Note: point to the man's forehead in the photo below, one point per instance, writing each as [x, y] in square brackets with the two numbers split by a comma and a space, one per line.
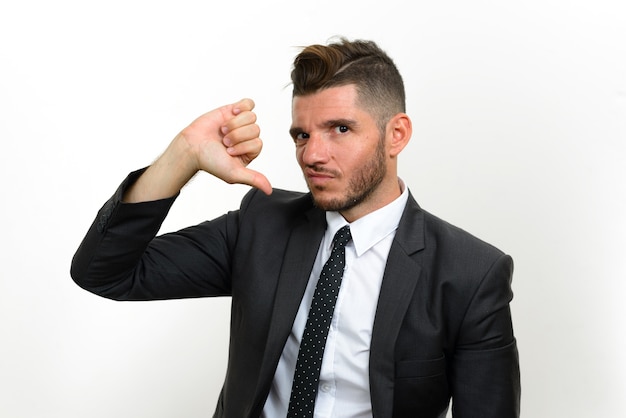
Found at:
[331, 103]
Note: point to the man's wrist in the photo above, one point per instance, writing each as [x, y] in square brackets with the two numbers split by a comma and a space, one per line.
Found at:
[166, 176]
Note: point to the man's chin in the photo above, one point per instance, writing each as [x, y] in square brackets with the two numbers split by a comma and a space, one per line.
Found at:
[321, 201]
[330, 204]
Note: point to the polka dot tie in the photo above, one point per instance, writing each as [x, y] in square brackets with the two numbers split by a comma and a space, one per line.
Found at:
[307, 374]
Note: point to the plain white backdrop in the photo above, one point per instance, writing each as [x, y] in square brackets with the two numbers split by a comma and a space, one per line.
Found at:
[519, 112]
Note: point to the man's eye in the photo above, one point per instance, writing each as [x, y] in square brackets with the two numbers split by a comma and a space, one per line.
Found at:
[341, 129]
[302, 135]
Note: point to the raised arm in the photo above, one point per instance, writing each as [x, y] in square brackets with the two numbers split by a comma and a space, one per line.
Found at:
[120, 257]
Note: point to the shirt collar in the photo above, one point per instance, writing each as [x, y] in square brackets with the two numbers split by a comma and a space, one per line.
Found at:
[373, 227]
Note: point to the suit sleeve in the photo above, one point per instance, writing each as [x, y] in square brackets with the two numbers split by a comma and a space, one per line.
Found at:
[485, 373]
[121, 258]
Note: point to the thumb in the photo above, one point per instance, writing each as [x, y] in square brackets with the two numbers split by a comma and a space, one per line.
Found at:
[255, 179]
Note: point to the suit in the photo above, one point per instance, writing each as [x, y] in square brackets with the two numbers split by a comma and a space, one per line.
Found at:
[442, 326]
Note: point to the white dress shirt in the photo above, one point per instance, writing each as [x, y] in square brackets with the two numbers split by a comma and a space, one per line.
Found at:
[344, 378]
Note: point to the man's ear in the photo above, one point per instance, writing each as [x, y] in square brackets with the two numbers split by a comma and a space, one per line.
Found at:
[399, 130]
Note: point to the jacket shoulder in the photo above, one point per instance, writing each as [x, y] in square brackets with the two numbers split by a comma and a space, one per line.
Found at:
[281, 202]
[456, 239]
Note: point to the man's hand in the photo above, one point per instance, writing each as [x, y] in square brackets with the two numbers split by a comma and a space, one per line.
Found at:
[225, 141]
[221, 142]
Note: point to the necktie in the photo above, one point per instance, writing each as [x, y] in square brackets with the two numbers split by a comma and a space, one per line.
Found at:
[308, 365]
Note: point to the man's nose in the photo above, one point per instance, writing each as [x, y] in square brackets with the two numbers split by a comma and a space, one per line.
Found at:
[315, 150]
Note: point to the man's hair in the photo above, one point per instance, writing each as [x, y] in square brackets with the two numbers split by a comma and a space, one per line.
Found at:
[362, 63]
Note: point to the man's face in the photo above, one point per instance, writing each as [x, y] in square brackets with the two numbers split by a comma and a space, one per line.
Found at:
[341, 152]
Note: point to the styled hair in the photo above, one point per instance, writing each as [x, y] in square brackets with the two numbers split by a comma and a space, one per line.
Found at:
[362, 63]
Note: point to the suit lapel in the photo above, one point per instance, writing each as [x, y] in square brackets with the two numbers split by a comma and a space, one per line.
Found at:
[400, 278]
[298, 261]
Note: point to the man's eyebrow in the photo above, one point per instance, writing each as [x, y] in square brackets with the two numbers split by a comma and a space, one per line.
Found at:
[340, 122]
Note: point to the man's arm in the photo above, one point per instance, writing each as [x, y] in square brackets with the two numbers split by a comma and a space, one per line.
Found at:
[485, 371]
[120, 257]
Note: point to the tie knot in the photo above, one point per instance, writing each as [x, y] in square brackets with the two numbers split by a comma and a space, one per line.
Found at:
[342, 237]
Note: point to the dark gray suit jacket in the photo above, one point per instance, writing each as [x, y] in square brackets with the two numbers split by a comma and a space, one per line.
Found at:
[442, 327]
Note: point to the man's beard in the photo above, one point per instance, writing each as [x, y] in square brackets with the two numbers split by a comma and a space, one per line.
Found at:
[362, 184]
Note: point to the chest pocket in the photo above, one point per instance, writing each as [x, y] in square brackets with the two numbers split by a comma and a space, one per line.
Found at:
[421, 389]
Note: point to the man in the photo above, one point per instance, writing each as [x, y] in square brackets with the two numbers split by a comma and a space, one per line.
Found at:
[422, 312]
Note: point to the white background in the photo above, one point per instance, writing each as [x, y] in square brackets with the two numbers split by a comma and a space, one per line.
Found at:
[519, 112]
